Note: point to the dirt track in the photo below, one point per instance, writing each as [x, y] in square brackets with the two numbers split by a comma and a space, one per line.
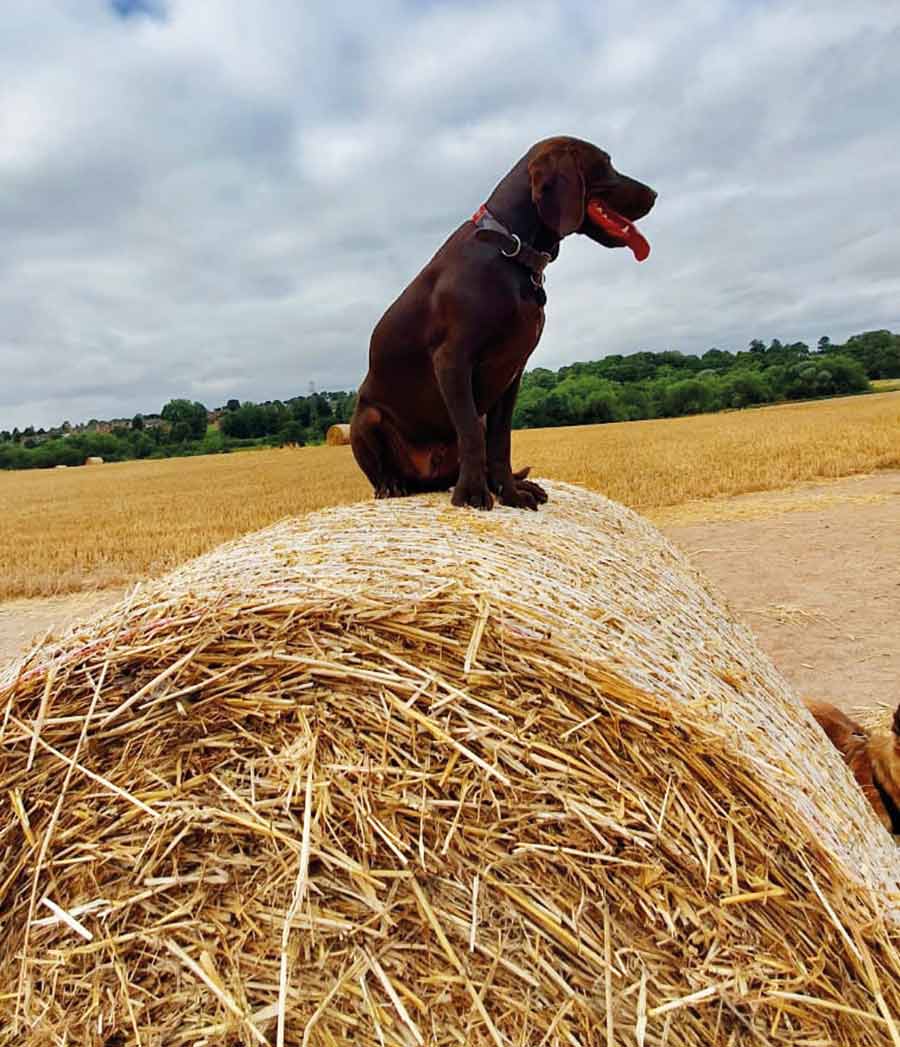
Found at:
[814, 571]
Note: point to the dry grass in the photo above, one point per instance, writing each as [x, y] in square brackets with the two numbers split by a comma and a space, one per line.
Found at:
[647, 465]
[398, 775]
[71, 529]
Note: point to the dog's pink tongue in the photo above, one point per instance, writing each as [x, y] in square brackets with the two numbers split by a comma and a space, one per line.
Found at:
[612, 222]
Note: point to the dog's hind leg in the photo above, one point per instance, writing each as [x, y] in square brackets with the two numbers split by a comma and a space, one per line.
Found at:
[379, 452]
[370, 450]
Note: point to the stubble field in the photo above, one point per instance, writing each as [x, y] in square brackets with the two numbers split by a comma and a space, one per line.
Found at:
[87, 528]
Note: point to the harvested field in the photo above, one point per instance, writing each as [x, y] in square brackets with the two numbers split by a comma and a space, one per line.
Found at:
[401, 774]
[63, 531]
[89, 529]
[648, 465]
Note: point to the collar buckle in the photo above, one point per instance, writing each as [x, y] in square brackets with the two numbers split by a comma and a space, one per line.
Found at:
[494, 231]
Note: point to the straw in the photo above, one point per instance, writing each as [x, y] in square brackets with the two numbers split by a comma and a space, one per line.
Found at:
[397, 773]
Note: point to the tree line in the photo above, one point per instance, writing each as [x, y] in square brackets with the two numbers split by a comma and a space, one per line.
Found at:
[613, 389]
[667, 384]
[182, 428]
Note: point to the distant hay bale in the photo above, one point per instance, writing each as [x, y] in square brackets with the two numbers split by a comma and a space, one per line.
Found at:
[338, 435]
[94, 459]
[60, 467]
[406, 774]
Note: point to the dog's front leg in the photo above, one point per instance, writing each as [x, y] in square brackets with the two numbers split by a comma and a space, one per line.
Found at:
[512, 488]
[454, 377]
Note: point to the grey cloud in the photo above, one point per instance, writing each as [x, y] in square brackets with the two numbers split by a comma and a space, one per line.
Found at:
[222, 202]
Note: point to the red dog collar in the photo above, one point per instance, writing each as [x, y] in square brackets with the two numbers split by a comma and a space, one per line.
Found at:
[494, 231]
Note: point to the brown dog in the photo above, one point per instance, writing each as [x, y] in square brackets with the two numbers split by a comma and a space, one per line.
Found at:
[445, 360]
[872, 756]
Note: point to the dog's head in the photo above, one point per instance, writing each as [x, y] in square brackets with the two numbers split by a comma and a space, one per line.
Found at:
[576, 189]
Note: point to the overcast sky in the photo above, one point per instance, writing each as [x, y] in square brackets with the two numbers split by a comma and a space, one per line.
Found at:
[218, 198]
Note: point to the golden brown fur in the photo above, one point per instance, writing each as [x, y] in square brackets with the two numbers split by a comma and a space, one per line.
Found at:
[873, 757]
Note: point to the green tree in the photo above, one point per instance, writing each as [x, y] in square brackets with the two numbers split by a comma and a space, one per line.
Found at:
[689, 396]
[300, 410]
[877, 351]
[292, 432]
[828, 375]
[743, 388]
[13, 456]
[716, 359]
[187, 420]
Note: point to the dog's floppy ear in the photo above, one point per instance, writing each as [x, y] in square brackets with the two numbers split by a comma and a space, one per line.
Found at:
[557, 189]
[895, 726]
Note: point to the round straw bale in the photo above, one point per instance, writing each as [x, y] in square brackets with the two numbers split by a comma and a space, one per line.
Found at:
[338, 435]
[398, 773]
[93, 459]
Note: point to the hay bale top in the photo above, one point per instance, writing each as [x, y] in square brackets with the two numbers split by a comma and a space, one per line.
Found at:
[338, 435]
[94, 459]
[405, 774]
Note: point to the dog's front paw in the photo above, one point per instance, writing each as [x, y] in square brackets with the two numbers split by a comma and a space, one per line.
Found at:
[474, 493]
[523, 494]
[517, 492]
[391, 489]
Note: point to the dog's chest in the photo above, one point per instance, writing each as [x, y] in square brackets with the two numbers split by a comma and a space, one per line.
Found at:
[501, 362]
